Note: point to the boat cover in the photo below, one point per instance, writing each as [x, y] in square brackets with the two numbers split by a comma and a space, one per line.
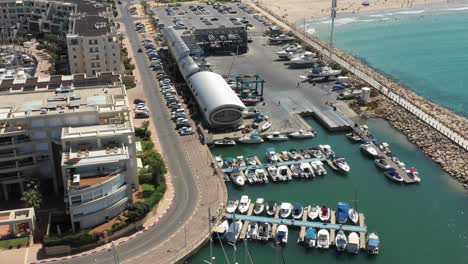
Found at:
[281, 234]
[343, 209]
[229, 159]
[310, 233]
[373, 242]
[254, 134]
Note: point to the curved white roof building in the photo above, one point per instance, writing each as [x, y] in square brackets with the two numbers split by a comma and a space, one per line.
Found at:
[217, 101]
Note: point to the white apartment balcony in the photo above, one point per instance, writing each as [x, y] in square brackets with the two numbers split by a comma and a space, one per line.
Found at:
[17, 166]
[96, 131]
[86, 157]
[89, 184]
[96, 205]
[13, 154]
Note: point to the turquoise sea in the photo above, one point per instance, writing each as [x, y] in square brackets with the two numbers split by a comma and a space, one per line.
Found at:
[422, 49]
[425, 223]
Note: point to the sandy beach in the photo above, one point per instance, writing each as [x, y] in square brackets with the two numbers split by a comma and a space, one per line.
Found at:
[296, 10]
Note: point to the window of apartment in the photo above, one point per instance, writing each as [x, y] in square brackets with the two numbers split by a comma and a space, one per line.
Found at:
[74, 56]
[76, 64]
[87, 197]
[93, 72]
[98, 64]
[97, 194]
[97, 57]
[76, 199]
[113, 54]
[74, 42]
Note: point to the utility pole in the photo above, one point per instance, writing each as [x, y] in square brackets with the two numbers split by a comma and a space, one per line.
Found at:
[114, 252]
[333, 15]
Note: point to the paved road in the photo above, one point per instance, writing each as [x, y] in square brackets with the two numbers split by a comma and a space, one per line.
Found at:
[186, 192]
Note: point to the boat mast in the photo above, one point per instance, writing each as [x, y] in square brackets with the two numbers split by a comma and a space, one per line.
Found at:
[333, 15]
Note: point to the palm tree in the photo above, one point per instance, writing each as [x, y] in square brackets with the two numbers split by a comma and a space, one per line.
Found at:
[32, 198]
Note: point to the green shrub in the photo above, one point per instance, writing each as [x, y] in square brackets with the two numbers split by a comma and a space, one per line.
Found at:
[73, 240]
[143, 134]
[145, 177]
[137, 211]
[116, 227]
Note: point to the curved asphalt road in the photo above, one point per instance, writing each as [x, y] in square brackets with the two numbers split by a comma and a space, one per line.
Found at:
[185, 187]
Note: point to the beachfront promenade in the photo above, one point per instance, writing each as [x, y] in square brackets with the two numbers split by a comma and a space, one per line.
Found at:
[359, 70]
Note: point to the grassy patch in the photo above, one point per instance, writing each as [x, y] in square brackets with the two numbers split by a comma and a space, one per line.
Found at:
[130, 85]
[14, 242]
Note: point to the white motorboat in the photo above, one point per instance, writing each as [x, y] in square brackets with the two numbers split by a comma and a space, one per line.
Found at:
[296, 170]
[325, 214]
[327, 151]
[310, 237]
[289, 49]
[382, 163]
[313, 212]
[250, 175]
[353, 215]
[234, 231]
[353, 137]
[393, 175]
[240, 161]
[304, 60]
[276, 136]
[224, 143]
[232, 205]
[259, 206]
[273, 172]
[318, 167]
[297, 211]
[341, 164]
[341, 241]
[302, 134]
[251, 160]
[270, 208]
[271, 155]
[284, 173]
[385, 148]
[307, 170]
[369, 149]
[284, 155]
[323, 239]
[266, 126]
[244, 204]
[414, 174]
[237, 177]
[353, 243]
[293, 155]
[264, 232]
[261, 175]
[280, 39]
[323, 72]
[219, 161]
[282, 234]
[399, 163]
[285, 210]
[253, 138]
[372, 244]
[221, 230]
[252, 230]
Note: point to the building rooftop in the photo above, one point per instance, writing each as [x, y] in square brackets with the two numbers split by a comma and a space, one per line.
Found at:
[62, 100]
[91, 26]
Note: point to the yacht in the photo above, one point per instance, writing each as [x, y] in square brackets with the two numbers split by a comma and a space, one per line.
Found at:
[234, 231]
[353, 243]
[219, 161]
[261, 175]
[232, 205]
[307, 170]
[264, 232]
[323, 72]
[296, 170]
[271, 155]
[318, 167]
[313, 212]
[372, 244]
[369, 149]
[251, 160]
[276, 136]
[323, 239]
[240, 161]
[224, 143]
[414, 174]
[259, 206]
[284, 173]
[325, 214]
[282, 234]
[244, 204]
[341, 164]
[327, 151]
[253, 138]
[221, 230]
[284, 155]
[302, 134]
[393, 175]
[382, 163]
[310, 237]
[297, 211]
[302, 61]
[270, 208]
[353, 215]
[250, 175]
[353, 137]
[237, 177]
[285, 210]
[252, 230]
[293, 155]
[273, 172]
[341, 241]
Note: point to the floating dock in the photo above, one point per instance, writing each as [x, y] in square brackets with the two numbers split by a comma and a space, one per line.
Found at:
[332, 120]
[263, 166]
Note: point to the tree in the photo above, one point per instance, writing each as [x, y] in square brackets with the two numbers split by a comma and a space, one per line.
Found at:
[32, 198]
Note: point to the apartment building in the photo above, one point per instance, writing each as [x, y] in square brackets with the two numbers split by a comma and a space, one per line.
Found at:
[35, 16]
[93, 45]
[76, 135]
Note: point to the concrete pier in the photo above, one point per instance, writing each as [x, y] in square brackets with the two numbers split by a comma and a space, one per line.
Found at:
[302, 233]
[362, 235]
[283, 163]
[332, 231]
[245, 226]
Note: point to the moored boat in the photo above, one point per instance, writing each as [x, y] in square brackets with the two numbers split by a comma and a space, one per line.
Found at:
[310, 238]
[369, 150]
[341, 241]
[253, 138]
[385, 148]
[264, 232]
[237, 177]
[232, 205]
[284, 155]
[244, 204]
[325, 214]
[323, 239]
[342, 165]
[270, 208]
[271, 155]
[219, 161]
[307, 170]
[251, 160]
[261, 175]
[285, 210]
[234, 231]
[273, 172]
[393, 175]
[224, 143]
[221, 230]
[318, 167]
[282, 234]
[342, 213]
[297, 211]
[265, 126]
[296, 170]
[353, 243]
[353, 137]
[277, 136]
[327, 151]
[414, 174]
[284, 173]
[302, 134]
[372, 244]
[382, 163]
[259, 206]
[313, 212]
[252, 230]
[353, 215]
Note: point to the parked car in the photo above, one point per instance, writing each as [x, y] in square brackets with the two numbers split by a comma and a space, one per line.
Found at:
[186, 131]
[138, 101]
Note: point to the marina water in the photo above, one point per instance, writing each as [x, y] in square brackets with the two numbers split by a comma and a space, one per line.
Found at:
[425, 223]
[423, 49]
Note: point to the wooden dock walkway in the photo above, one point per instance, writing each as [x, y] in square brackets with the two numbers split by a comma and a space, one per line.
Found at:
[302, 233]
[275, 225]
[332, 231]
[245, 226]
[362, 235]
[330, 163]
